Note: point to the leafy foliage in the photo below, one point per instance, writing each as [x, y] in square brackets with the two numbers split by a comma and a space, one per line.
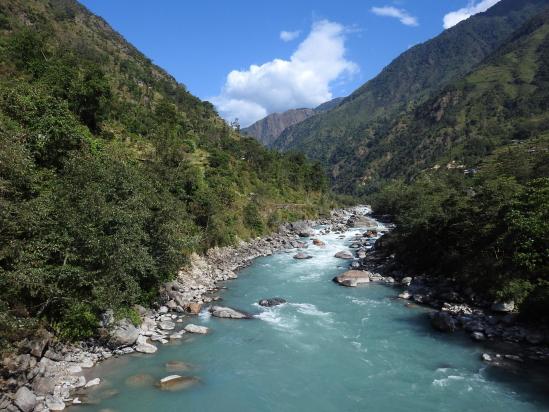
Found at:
[112, 174]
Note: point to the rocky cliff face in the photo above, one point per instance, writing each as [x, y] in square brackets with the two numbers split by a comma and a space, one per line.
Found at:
[269, 128]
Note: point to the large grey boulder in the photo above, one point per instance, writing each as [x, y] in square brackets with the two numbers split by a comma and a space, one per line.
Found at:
[54, 403]
[227, 313]
[143, 346]
[25, 399]
[353, 278]
[344, 254]
[443, 321]
[122, 334]
[302, 228]
[271, 302]
[191, 328]
[301, 255]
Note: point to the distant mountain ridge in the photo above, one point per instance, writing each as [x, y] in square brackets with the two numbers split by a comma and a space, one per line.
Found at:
[270, 127]
[344, 137]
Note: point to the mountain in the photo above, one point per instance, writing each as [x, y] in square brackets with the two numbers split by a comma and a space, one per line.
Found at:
[112, 174]
[270, 127]
[344, 135]
[466, 179]
[505, 99]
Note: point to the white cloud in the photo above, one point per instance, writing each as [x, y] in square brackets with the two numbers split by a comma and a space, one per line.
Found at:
[454, 17]
[278, 85]
[289, 35]
[401, 14]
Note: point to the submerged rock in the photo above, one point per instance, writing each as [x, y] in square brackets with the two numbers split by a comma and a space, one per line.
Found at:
[176, 382]
[344, 254]
[177, 366]
[227, 313]
[271, 302]
[302, 255]
[140, 380]
[353, 278]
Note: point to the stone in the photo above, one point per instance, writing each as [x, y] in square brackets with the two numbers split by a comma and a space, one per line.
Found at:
[503, 306]
[478, 336]
[54, 403]
[25, 399]
[123, 334]
[271, 302]
[227, 313]
[191, 328]
[93, 382]
[107, 318]
[163, 309]
[389, 279]
[193, 308]
[344, 254]
[534, 338]
[353, 278]
[406, 281]
[140, 380]
[167, 325]
[318, 242]
[43, 386]
[443, 321]
[40, 344]
[177, 366]
[143, 346]
[176, 382]
[302, 255]
[405, 295]
[486, 358]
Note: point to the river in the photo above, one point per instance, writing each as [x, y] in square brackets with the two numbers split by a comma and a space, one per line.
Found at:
[330, 348]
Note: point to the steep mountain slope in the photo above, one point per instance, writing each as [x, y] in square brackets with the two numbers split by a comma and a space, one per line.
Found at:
[506, 98]
[346, 132]
[112, 174]
[270, 127]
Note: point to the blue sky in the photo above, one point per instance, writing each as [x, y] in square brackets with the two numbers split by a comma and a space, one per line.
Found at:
[330, 48]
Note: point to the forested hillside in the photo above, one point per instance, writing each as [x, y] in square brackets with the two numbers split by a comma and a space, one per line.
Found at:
[479, 217]
[346, 139]
[111, 173]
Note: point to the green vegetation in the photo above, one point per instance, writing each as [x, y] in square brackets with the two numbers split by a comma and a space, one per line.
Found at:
[489, 230]
[112, 174]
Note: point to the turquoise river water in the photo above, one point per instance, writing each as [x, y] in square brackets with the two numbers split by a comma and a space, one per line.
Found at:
[330, 348]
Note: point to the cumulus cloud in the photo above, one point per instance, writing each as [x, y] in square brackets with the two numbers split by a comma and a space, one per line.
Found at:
[454, 17]
[289, 35]
[400, 14]
[278, 85]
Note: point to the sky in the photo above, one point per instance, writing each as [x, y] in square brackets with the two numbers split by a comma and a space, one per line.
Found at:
[252, 58]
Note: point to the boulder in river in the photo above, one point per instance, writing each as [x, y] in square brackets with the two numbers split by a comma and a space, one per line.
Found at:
[271, 302]
[344, 254]
[302, 255]
[191, 328]
[227, 313]
[353, 278]
[443, 321]
[176, 382]
[318, 242]
[406, 281]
